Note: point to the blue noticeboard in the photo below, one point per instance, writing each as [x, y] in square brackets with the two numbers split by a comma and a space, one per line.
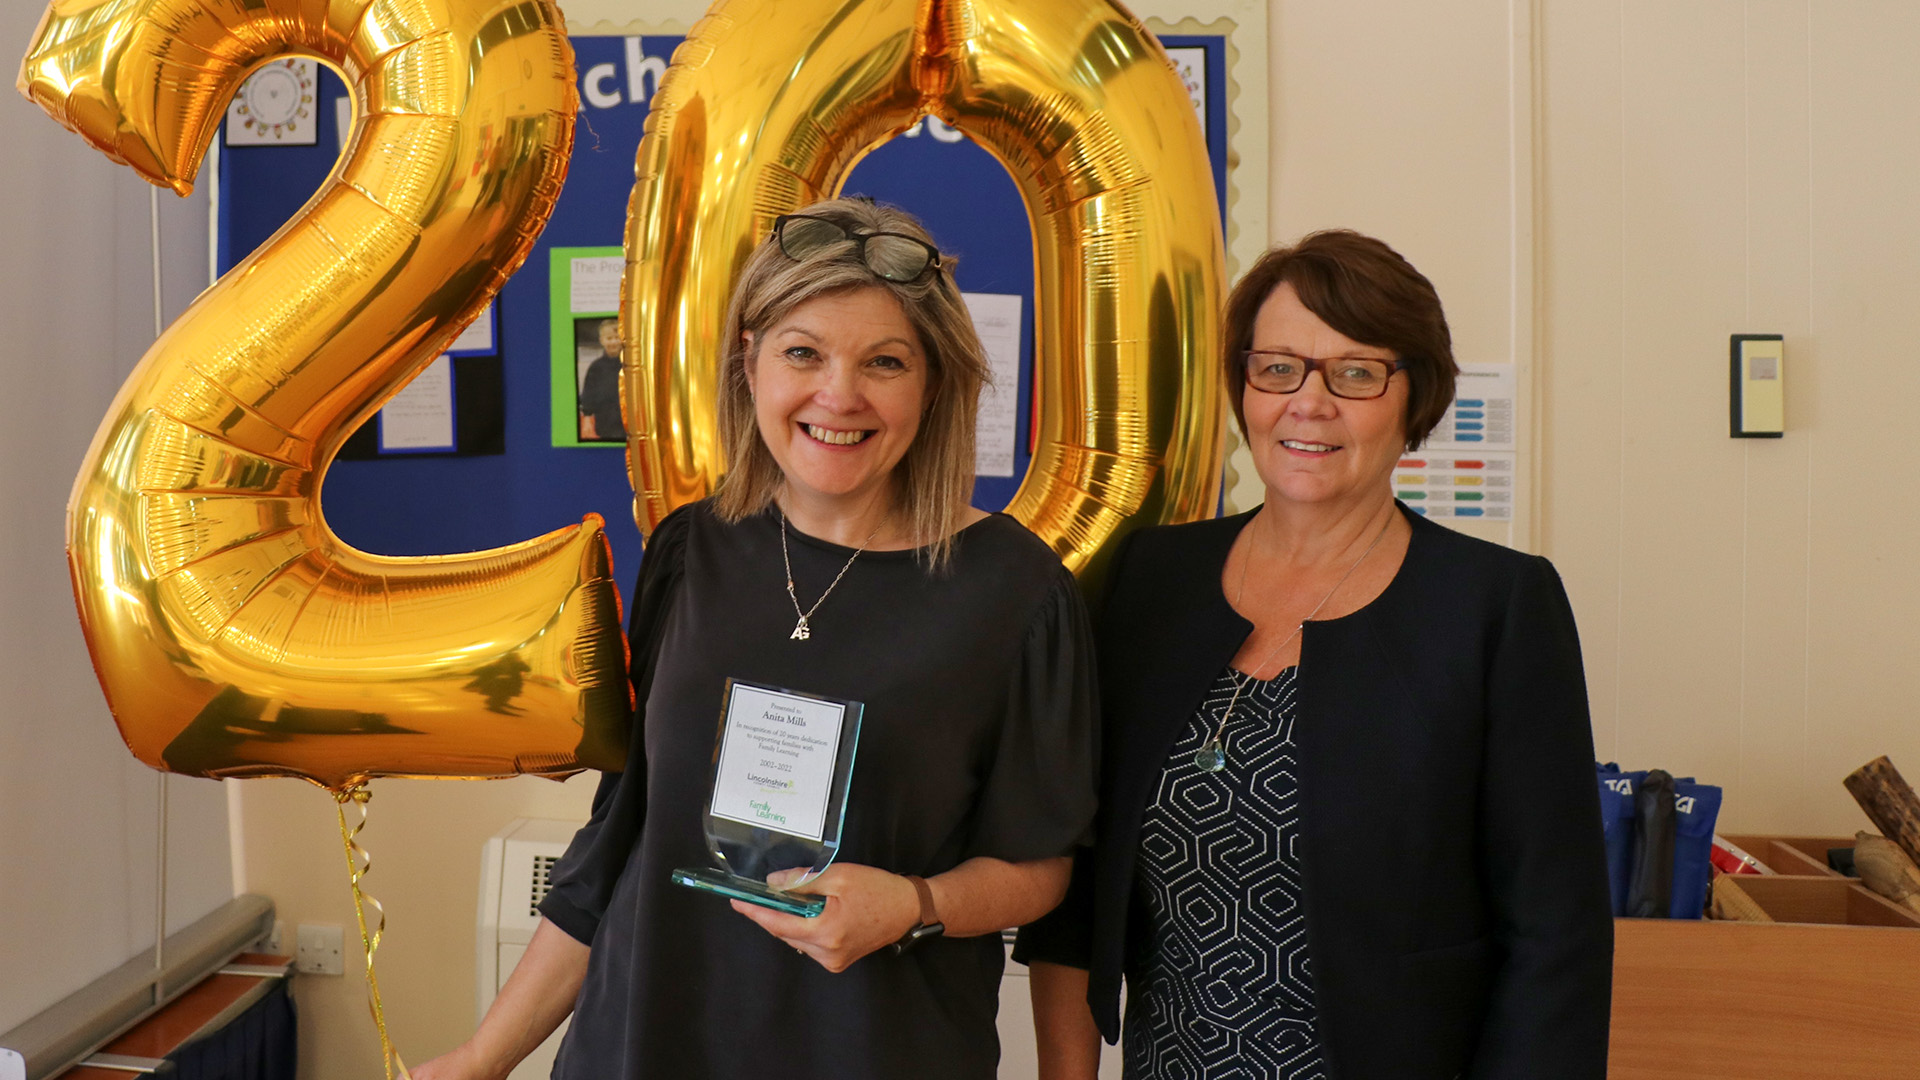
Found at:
[413, 504]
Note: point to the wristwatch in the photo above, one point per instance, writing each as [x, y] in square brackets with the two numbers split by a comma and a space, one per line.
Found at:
[930, 924]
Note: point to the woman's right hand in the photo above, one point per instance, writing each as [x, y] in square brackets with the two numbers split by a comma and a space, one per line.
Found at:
[460, 1063]
[538, 995]
[1063, 1026]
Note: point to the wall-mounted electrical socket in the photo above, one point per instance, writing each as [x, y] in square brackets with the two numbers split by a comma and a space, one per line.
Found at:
[317, 950]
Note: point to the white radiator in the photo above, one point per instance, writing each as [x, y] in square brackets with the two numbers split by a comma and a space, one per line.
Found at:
[515, 873]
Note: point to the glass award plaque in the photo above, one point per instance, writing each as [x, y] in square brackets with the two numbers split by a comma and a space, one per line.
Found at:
[782, 764]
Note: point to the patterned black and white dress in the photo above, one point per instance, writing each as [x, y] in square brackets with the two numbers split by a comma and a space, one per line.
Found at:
[1228, 994]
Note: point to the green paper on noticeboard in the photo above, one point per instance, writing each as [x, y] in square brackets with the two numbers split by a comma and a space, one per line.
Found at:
[583, 293]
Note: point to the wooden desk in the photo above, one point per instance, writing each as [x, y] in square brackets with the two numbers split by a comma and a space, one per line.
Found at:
[1764, 1001]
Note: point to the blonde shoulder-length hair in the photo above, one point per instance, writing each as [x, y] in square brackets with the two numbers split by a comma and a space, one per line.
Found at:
[934, 481]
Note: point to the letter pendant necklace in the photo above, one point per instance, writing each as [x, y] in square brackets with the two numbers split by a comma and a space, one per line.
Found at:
[1213, 756]
[801, 630]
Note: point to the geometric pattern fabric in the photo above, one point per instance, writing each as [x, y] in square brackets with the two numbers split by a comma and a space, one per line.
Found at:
[1229, 990]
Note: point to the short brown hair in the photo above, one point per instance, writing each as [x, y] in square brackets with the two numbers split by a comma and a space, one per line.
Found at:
[936, 475]
[1365, 290]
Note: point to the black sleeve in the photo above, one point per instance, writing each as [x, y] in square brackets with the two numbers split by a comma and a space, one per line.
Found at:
[583, 879]
[1543, 856]
[1065, 935]
[1038, 795]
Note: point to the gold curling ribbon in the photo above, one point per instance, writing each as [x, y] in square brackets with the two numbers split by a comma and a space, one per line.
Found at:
[359, 865]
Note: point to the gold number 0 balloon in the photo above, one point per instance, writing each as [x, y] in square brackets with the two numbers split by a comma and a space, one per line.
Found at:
[770, 103]
[233, 633]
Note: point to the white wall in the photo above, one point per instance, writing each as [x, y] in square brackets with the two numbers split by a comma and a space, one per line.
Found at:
[1716, 167]
[1603, 192]
[77, 813]
[1412, 122]
[425, 837]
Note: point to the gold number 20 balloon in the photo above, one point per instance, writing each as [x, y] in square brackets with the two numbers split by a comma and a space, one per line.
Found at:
[234, 634]
[768, 106]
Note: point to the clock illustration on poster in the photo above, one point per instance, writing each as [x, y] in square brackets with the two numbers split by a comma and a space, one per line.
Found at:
[275, 106]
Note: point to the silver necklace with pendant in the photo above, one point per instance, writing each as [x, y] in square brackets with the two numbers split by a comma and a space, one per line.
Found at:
[1212, 757]
[802, 630]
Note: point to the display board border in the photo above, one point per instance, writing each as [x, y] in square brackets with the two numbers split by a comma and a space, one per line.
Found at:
[565, 390]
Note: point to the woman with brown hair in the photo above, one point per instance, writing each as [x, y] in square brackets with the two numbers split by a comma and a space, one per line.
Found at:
[1348, 823]
[839, 557]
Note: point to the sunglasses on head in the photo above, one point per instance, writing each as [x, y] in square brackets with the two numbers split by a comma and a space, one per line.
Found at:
[892, 256]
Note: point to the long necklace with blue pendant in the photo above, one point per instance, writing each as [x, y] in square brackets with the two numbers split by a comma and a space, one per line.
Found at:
[1212, 755]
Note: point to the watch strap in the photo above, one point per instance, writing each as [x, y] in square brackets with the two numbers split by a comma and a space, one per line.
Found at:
[927, 915]
[930, 925]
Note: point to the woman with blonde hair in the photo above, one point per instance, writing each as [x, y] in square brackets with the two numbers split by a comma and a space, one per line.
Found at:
[839, 557]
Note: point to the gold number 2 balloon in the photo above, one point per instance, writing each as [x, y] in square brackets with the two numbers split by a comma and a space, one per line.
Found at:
[768, 106]
[234, 634]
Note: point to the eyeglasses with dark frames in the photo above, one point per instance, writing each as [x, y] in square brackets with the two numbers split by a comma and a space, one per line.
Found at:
[892, 256]
[1356, 378]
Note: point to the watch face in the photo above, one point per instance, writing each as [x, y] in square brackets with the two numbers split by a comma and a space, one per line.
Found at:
[918, 934]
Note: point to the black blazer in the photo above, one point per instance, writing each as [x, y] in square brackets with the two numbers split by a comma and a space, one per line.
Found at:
[1454, 876]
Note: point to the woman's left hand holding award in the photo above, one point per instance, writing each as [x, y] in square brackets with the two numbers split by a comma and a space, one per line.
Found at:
[865, 910]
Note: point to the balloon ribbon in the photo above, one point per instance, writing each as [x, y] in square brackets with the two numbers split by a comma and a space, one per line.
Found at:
[359, 864]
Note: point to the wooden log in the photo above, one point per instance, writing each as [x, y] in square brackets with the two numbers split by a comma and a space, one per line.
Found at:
[1885, 869]
[1889, 802]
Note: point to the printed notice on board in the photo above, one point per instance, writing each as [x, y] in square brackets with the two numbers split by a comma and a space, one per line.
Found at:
[1482, 414]
[477, 338]
[996, 318]
[1452, 484]
[420, 416]
[1190, 63]
[595, 285]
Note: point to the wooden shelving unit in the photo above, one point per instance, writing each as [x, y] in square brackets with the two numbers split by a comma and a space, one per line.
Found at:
[1829, 991]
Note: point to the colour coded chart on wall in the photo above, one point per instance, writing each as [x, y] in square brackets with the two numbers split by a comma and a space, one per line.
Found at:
[1446, 485]
[1481, 417]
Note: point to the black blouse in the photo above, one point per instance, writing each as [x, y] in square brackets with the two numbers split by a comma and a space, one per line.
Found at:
[977, 740]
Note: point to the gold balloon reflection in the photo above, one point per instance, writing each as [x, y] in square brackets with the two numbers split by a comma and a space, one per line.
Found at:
[234, 634]
[769, 105]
